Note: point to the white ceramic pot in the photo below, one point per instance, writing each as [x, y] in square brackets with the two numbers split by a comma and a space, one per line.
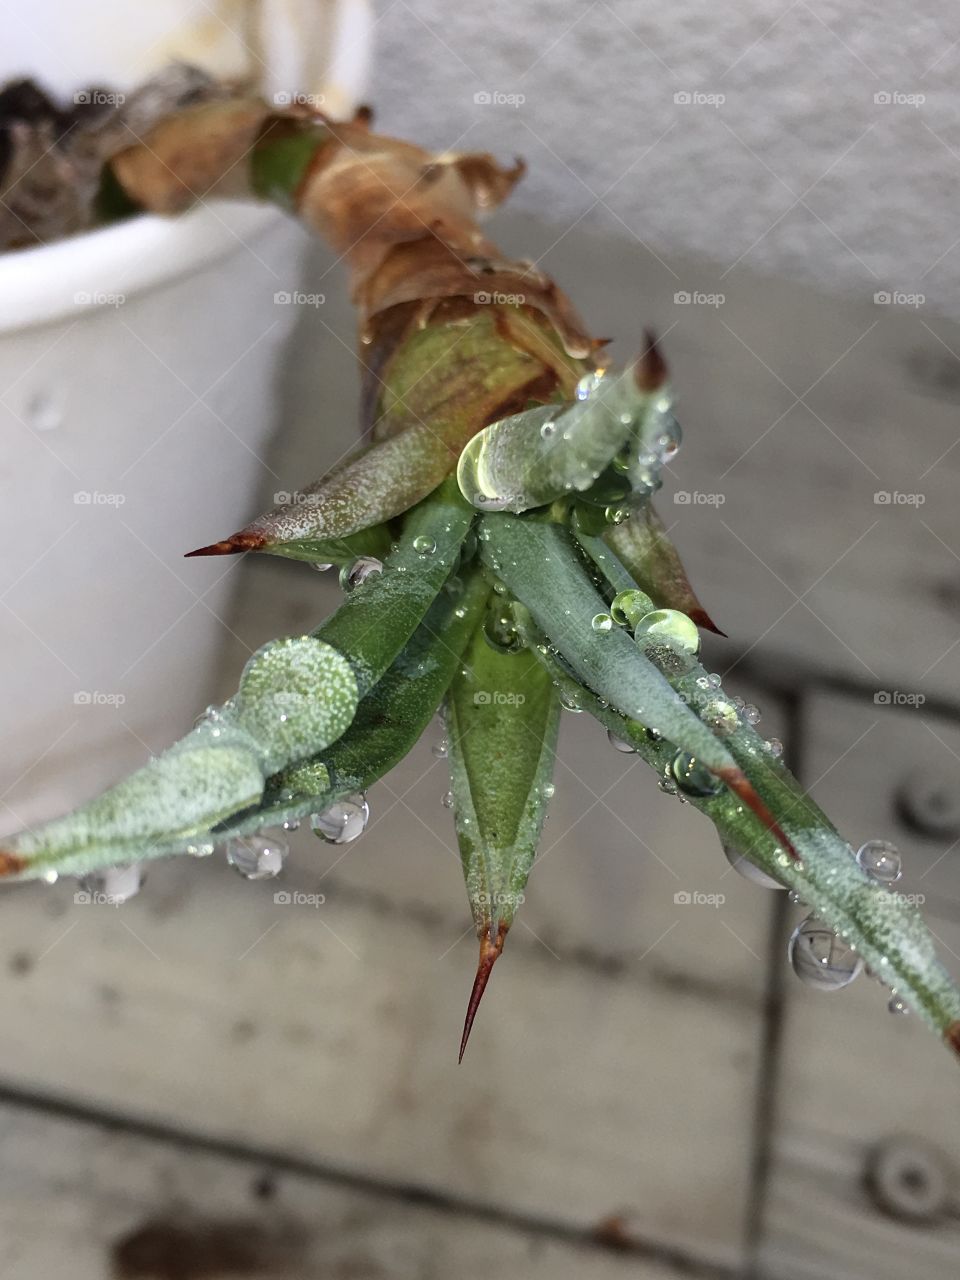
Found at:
[139, 368]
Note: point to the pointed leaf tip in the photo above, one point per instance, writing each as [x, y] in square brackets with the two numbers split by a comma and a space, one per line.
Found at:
[11, 863]
[703, 619]
[230, 546]
[650, 369]
[490, 950]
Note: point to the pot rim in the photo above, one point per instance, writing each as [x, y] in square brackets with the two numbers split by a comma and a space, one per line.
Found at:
[76, 276]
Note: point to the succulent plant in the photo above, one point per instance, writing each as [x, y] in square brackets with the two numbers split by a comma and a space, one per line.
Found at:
[500, 557]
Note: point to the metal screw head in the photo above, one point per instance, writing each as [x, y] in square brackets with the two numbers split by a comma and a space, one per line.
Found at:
[909, 1180]
[929, 802]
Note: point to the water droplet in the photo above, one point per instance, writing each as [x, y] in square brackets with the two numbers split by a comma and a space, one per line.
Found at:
[548, 791]
[291, 824]
[693, 777]
[441, 749]
[628, 607]
[602, 622]
[344, 821]
[738, 702]
[751, 713]
[620, 743]
[319, 567]
[447, 799]
[670, 625]
[500, 631]
[715, 679]
[749, 870]
[795, 898]
[256, 857]
[654, 735]
[50, 877]
[820, 959]
[775, 747]
[115, 885]
[202, 850]
[897, 1004]
[570, 700]
[423, 545]
[667, 785]
[354, 575]
[881, 861]
[721, 716]
[616, 515]
[588, 384]
[547, 429]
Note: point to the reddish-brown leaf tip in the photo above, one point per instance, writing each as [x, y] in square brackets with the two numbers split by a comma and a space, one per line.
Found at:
[703, 619]
[231, 546]
[490, 950]
[11, 863]
[952, 1037]
[650, 370]
[741, 786]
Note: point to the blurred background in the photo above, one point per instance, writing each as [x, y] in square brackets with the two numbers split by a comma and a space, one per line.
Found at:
[207, 1082]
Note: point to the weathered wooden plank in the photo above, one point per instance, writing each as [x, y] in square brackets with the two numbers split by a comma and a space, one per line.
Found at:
[83, 1202]
[852, 1078]
[331, 1032]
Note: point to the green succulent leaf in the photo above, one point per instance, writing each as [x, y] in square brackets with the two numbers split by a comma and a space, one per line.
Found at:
[502, 717]
[380, 615]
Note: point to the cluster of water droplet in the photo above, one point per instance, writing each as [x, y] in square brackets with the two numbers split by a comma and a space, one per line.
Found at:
[257, 857]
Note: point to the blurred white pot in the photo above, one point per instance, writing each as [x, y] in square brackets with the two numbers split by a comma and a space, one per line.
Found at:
[138, 374]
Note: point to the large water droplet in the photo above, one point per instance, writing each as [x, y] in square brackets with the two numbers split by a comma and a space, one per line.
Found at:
[721, 716]
[820, 959]
[881, 861]
[693, 777]
[257, 857]
[775, 747]
[751, 714]
[670, 625]
[628, 607]
[423, 545]
[344, 821]
[620, 744]
[602, 623]
[749, 870]
[354, 575]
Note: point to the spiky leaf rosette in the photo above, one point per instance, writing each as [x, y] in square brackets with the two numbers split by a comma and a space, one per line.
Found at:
[538, 574]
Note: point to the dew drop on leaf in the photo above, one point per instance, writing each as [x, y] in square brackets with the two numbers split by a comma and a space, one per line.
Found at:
[881, 861]
[670, 625]
[820, 959]
[344, 821]
[749, 870]
[256, 857]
